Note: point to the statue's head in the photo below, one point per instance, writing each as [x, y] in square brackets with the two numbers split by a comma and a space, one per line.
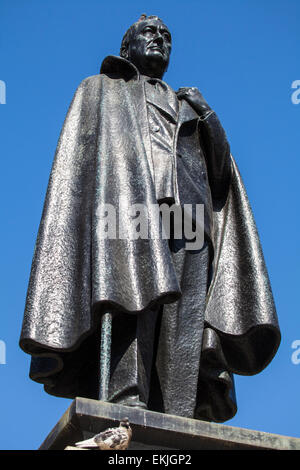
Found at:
[147, 44]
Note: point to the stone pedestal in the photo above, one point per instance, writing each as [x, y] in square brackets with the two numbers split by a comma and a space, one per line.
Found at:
[156, 431]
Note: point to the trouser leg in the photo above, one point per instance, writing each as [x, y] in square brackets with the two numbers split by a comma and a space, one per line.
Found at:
[179, 349]
[131, 358]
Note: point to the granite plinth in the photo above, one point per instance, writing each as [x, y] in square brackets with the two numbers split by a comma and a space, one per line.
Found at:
[155, 431]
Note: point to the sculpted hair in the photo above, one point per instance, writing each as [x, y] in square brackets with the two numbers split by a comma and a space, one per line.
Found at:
[131, 32]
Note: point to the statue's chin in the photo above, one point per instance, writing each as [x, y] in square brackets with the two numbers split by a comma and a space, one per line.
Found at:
[156, 54]
[155, 63]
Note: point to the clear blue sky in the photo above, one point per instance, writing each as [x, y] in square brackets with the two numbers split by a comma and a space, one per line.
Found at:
[243, 55]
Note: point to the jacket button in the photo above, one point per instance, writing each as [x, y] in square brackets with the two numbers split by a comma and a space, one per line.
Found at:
[155, 128]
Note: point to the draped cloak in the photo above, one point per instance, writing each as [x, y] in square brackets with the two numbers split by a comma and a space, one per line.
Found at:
[103, 154]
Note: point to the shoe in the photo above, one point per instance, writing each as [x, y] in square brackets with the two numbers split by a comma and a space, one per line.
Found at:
[132, 401]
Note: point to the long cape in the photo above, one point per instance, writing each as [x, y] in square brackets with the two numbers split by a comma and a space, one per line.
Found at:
[75, 277]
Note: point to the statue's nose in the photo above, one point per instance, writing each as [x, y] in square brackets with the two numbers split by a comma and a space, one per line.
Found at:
[158, 38]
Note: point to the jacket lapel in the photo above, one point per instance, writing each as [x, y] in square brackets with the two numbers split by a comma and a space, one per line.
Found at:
[161, 104]
[186, 113]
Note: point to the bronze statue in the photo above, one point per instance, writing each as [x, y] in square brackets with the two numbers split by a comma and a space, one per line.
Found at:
[183, 320]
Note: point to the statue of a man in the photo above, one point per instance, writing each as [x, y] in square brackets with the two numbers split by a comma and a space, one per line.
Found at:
[183, 319]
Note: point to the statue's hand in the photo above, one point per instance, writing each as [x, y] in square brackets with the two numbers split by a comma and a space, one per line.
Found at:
[193, 96]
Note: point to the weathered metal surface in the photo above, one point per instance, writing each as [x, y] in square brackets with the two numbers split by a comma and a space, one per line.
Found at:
[153, 430]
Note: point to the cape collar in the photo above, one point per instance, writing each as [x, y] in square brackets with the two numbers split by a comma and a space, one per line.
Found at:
[120, 67]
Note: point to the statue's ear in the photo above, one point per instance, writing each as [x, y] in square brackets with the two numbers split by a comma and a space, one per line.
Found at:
[124, 52]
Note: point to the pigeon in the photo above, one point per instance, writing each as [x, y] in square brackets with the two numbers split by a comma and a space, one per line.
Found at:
[111, 439]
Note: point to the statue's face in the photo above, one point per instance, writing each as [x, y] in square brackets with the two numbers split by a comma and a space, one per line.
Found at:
[150, 48]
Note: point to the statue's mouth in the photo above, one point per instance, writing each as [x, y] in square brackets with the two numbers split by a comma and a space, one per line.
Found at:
[156, 48]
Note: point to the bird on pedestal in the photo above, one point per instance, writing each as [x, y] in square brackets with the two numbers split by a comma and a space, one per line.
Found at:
[111, 439]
